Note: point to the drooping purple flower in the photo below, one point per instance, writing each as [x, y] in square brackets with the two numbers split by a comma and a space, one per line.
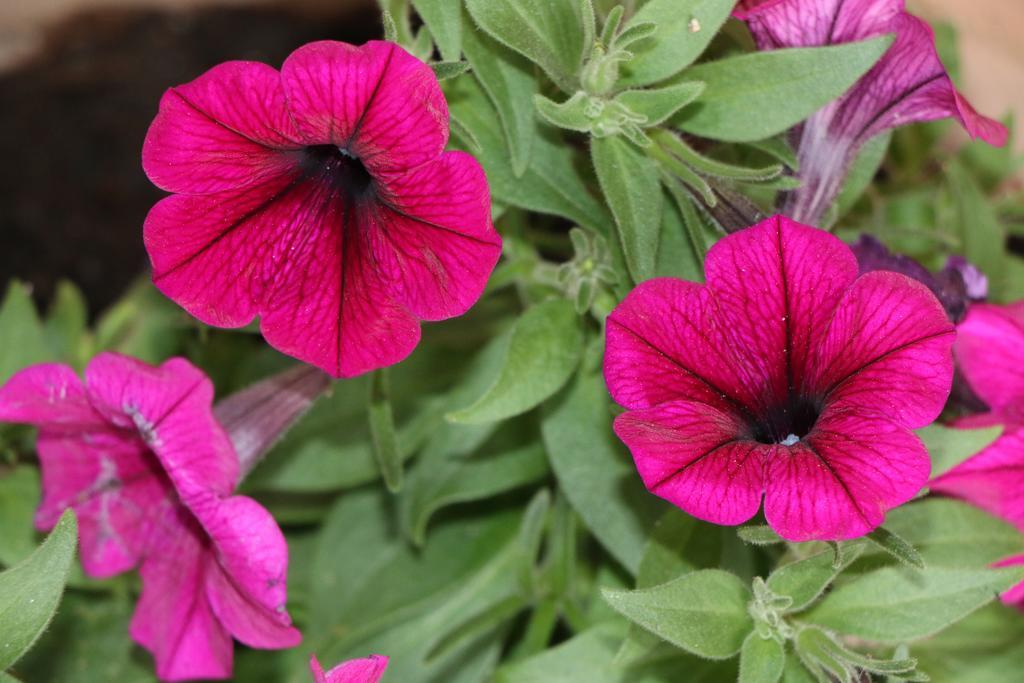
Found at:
[956, 286]
[151, 474]
[909, 84]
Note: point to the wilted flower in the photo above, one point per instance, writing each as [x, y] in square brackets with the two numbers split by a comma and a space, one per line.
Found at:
[988, 351]
[956, 286]
[907, 85]
[136, 451]
[785, 376]
[367, 670]
[320, 199]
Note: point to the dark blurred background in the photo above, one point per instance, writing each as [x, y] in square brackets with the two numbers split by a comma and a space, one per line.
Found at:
[74, 109]
[80, 81]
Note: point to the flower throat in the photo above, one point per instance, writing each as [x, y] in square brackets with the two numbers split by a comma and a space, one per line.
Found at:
[344, 172]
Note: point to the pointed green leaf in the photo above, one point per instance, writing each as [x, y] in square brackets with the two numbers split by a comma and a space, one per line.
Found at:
[571, 114]
[660, 103]
[550, 33]
[445, 70]
[755, 96]
[30, 591]
[542, 353]
[892, 605]
[507, 78]
[382, 430]
[685, 27]
[702, 612]
[759, 534]
[629, 181]
[761, 660]
[862, 172]
[595, 472]
[67, 323]
[949, 447]
[951, 533]
[896, 546]
[806, 579]
[551, 183]
[22, 337]
[444, 19]
[981, 233]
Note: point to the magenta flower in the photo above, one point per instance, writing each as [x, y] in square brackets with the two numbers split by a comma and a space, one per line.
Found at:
[988, 351]
[136, 451]
[786, 376]
[320, 199]
[368, 670]
[908, 84]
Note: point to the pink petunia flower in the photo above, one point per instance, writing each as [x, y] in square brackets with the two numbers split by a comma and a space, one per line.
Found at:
[988, 351]
[907, 85]
[785, 376]
[320, 199]
[368, 670]
[136, 451]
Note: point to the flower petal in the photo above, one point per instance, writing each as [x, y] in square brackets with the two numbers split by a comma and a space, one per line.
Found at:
[1014, 596]
[48, 395]
[377, 101]
[173, 619]
[840, 480]
[691, 455]
[888, 348]
[988, 350]
[246, 586]
[777, 285]
[433, 242]
[807, 23]
[367, 670]
[215, 255]
[330, 308]
[113, 483]
[224, 130]
[665, 342]
[991, 479]
[171, 408]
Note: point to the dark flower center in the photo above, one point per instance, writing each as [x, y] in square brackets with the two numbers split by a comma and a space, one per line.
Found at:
[334, 165]
[788, 422]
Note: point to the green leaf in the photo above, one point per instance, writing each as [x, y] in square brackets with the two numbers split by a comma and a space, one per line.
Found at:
[892, 605]
[982, 235]
[659, 104]
[951, 533]
[543, 352]
[596, 473]
[587, 657]
[629, 182]
[685, 27]
[86, 641]
[805, 580]
[761, 660]
[382, 430]
[862, 172]
[678, 544]
[551, 184]
[759, 534]
[896, 546]
[19, 496]
[682, 246]
[428, 609]
[445, 70]
[23, 340]
[550, 33]
[31, 590]
[948, 447]
[511, 459]
[755, 96]
[508, 80]
[67, 324]
[672, 144]
[701, 612]
[144, 324]
[444, 19]
[571, 114]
